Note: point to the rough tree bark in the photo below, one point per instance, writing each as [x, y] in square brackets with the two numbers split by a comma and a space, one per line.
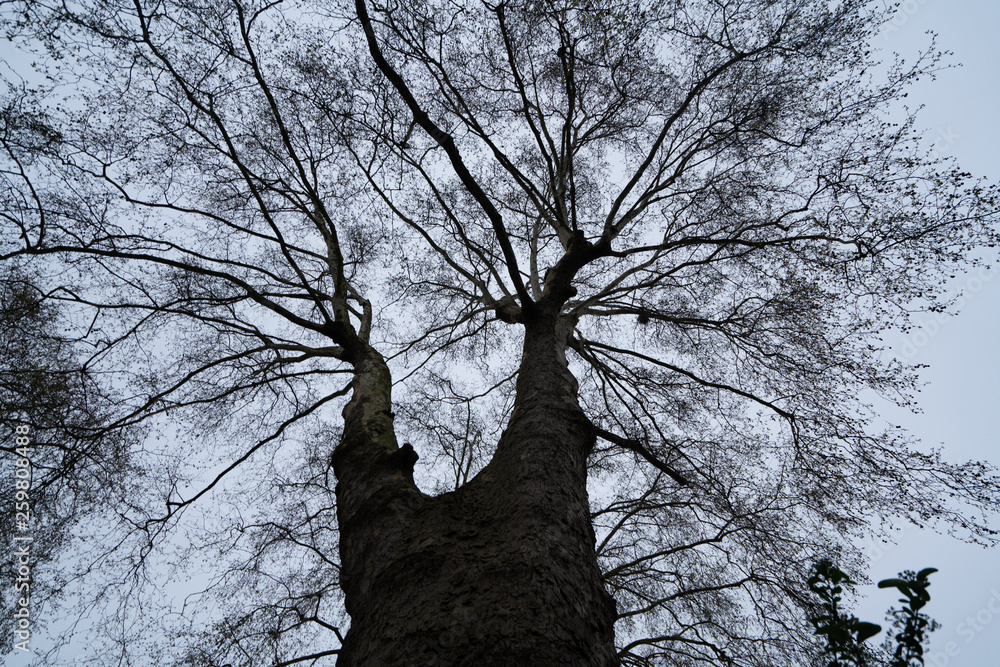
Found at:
[500, 572]
[227, 203]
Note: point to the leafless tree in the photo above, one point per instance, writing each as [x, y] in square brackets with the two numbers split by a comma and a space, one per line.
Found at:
[617, 271]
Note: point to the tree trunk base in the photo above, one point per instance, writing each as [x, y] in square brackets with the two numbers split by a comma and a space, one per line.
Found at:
[479, 578]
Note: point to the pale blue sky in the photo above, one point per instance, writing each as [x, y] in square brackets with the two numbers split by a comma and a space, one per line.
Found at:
[960, 401]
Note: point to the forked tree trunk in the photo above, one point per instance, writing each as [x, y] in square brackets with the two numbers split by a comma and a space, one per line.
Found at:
[500, 572]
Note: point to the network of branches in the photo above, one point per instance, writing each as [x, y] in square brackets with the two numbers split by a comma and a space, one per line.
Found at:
[200, 198]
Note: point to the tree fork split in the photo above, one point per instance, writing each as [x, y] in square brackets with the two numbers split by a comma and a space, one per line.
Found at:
[501, 571]
[245, 243]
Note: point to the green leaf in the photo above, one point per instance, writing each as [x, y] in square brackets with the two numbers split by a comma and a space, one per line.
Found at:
[867, 630]
[889, 583]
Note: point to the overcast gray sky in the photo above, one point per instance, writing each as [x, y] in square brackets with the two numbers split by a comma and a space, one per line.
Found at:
[960, 401]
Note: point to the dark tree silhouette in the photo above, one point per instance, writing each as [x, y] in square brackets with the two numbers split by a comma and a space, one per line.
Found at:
[50, 398]
[617, 271]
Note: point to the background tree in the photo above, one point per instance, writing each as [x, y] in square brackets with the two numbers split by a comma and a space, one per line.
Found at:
[624, 265]
[78, 462]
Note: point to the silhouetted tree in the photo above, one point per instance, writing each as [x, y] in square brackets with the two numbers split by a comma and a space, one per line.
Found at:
[618, 271]
[50, 398]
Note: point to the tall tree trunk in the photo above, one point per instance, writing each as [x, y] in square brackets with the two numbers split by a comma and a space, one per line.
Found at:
[499, 572]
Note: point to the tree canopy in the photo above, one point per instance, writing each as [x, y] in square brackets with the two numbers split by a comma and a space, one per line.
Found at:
[243, 214]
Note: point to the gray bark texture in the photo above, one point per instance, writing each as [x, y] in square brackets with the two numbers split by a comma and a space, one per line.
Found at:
[500, 572]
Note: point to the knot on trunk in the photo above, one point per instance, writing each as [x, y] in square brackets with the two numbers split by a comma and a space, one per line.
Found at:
[508, 311]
